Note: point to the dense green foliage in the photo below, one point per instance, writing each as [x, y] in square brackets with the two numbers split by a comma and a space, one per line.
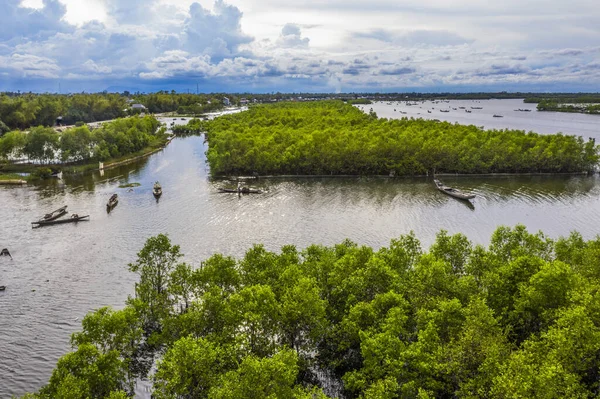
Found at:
[194, 126]
[359, 101]
[586, 103]
[518, 319]
[552, 105]
[21, 111]
[112, 140]
[331, 137]
[565, 98]
[24, 111]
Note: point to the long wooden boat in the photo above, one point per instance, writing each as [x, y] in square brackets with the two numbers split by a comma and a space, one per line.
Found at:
[241, 190]
[112, 202]
[157, 190]
[453, 192]
[54, 214]
[73, 219]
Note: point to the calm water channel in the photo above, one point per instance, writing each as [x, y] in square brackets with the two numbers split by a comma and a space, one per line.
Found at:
[59, 273]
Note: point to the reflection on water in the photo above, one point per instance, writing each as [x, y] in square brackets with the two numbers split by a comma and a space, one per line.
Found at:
[59, 273]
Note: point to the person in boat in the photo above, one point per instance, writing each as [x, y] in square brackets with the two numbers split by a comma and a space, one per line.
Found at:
[74, 216]
[5, 252]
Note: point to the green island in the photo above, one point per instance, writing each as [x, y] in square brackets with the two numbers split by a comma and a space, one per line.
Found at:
[586, 103]
[335, 138]
[517, 319]
[78, 148]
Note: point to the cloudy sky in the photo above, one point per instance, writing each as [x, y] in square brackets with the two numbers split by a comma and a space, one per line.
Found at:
[302, 45]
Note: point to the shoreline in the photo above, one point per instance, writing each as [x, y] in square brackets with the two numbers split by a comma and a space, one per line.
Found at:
[71, 169]
[12, 182]
[229, 177]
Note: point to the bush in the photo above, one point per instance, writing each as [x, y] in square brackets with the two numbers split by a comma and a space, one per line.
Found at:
[42, 173]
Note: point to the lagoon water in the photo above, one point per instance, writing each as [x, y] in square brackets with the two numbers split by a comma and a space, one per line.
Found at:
[541, 122]
[59, 273]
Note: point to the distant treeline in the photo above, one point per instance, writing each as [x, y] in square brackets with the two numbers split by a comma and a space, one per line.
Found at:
[22, 111]
[112, 140]
[565, 98]
[330, 137]
[582, 108]
[360, 101]
[519, 318]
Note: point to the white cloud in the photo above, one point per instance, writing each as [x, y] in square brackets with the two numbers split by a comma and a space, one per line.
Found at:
[29, 66]
[291, 36]
[354, 45]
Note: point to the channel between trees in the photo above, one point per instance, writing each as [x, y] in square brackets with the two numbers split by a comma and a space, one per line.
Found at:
[520, 318]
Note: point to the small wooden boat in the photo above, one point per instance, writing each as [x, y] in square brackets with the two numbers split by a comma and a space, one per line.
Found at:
[453, 192]
[54, 214]
[112, 202]
[5, 252]
[73, 219]
[2, 287]
[240, 190]
[157, 190]
[498, 116]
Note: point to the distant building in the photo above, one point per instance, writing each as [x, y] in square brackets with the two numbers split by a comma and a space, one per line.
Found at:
[226, 101]
[59, 121]
[138, 107]
[244, 101]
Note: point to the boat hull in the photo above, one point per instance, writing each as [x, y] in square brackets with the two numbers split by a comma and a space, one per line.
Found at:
[54, 214]
[240, 191]
[453, 192]
[61, 221]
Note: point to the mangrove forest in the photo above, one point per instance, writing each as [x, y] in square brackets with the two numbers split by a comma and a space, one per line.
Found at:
[44, 145]
[335, 138]
[519, 318]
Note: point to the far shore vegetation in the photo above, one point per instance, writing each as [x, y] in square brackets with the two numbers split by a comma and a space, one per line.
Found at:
[581, 103]
[42, 150]
[334, 138]
[26, 110]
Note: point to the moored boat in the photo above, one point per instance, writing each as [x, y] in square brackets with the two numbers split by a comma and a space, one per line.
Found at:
[157, 190]
[498, 116]
[112, 202]
[54, 214]
[453, 192]
[240, 190]
[73, 219]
